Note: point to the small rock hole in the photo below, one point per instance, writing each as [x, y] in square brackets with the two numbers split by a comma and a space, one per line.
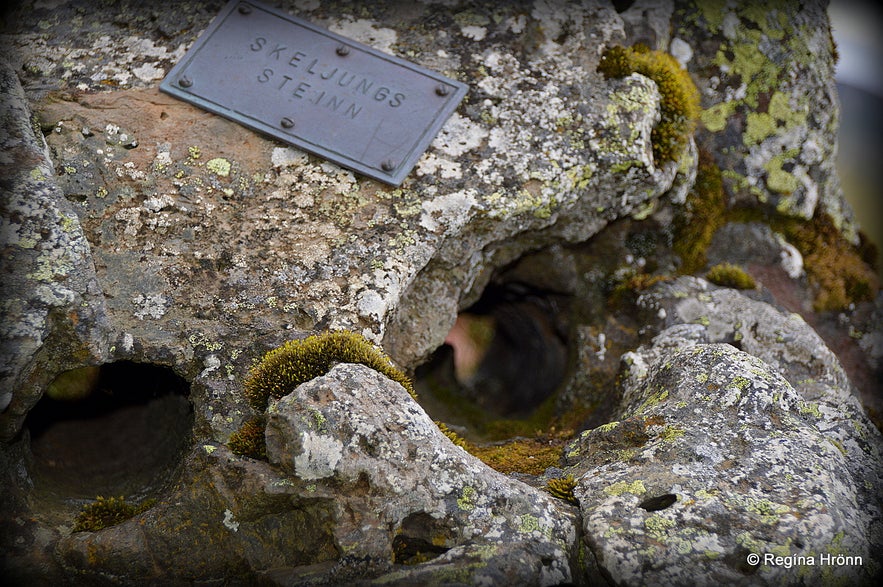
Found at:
[115, 430]
[421, 538]
[660, 502]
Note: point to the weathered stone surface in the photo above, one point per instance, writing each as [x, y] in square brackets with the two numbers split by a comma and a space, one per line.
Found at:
[362, 435]
[727, 432]
[371, 474]
[770, 102]
[138, 228]
[47, 268]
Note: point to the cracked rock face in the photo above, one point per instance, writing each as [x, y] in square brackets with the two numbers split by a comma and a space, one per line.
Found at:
[141, 231]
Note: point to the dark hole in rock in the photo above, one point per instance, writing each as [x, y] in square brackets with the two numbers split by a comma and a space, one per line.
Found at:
[660, 502]
[115, 430]
[504, 357]
[420, 539]
[622, 5]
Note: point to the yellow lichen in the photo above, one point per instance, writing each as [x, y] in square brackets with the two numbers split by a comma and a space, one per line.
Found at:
[297, 361]
[679, 97]
[219, 166]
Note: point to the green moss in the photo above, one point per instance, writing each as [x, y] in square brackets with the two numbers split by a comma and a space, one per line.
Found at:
[562, 488]
[729, 275]
[703, 213]
[842, 274]
[530, 456]
[249, 440]
[105, 512]
[679, 97]
[453, 436]
[297, 361]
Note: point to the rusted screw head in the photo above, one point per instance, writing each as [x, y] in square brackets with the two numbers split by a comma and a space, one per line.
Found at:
[442, 90]
[343, 50]
[185, 82]
[244, 9]
[287, 122]
[388, 165]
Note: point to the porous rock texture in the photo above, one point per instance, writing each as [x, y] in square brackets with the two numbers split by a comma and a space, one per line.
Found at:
[139, 228]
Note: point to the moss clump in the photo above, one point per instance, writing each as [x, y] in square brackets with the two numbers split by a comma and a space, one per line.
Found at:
[704, 212]
[249, 440]
[453, 436]
[531, 456]
[680, 99]
[297, 361]
[562, 488]
[729, 275]
[842, 273]
[105, 512]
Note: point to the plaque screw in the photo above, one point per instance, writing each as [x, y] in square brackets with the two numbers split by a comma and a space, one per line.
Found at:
[287, 123]
[442, 90]
[244, 9]
[388, 165]
[343, 50]
[185, 82]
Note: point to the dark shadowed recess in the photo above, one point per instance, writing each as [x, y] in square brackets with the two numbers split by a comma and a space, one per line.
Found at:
[124, 435]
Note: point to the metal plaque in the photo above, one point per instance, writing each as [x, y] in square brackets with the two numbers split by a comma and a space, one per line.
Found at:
[322, 92]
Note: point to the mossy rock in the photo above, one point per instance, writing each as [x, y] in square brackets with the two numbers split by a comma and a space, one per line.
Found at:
[249, 440]
[297, 361]
[680, 107]
[729, 275]
[106, 512]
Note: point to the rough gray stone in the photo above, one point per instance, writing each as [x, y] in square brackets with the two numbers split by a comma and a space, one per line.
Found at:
[726, 433]
[47, 268]
[361, 434]
[770, 103]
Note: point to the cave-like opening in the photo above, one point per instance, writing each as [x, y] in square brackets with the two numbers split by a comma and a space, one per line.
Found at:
[118, 429]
